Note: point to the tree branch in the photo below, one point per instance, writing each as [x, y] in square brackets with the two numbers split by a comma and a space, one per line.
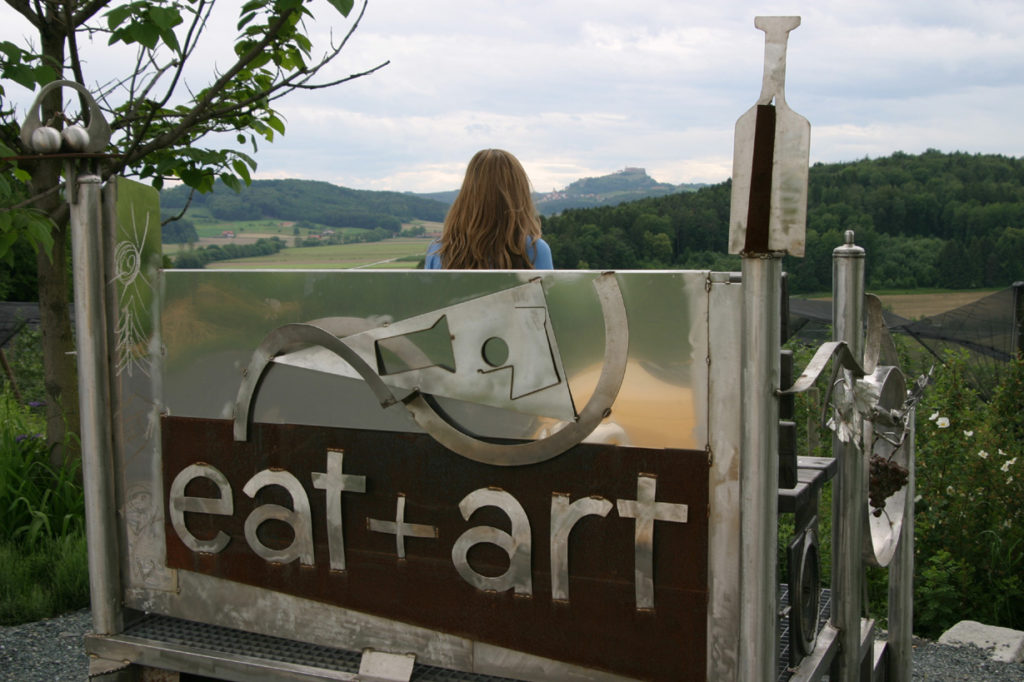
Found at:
[188, 202]
[87, 12]
[31, 200]
[197, 113]
[22, 7]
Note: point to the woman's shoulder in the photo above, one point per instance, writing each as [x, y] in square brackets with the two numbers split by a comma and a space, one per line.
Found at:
[432, 261]
[541, 254]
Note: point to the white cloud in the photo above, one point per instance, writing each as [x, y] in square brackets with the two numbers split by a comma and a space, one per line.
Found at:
[585, 89]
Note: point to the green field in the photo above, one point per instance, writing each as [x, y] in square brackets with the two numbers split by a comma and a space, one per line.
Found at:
[399, 253]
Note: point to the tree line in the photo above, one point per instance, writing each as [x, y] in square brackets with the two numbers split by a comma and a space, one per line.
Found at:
[946, 220]
[308, 201]
[198, 258]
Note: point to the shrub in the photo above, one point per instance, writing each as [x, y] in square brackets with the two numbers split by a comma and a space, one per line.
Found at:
[38, 502]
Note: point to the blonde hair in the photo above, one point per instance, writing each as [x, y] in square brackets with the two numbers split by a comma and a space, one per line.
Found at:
[493, 216]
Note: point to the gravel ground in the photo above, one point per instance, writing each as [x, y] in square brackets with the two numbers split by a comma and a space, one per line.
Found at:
[51, 650]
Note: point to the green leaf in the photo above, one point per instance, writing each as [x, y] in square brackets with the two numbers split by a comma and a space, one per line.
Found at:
[242, 170]
[245, 19]
[343, 6]
[276, 123]
[116, 16]
[231, 181]
[145, 34]
[7, 239]
[164, 17]
[170, 40]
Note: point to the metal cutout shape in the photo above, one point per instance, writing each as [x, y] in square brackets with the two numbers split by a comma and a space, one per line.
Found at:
[870, 403]
[97, 133]
[292, 337]
[530, 379]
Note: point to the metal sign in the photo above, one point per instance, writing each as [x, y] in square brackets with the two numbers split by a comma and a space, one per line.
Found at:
[596, 557]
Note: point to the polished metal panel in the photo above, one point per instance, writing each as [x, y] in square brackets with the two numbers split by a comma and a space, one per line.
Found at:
[213, 321]
[725, 325]
[516, 544]
[565, 515]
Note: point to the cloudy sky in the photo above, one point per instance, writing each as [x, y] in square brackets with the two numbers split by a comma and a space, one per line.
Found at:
[578, 89]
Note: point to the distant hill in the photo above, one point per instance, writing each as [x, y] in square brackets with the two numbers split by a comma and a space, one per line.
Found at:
[310, 201]
[627, 184]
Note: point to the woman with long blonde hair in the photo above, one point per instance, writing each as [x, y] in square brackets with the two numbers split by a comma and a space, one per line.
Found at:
[493, 223]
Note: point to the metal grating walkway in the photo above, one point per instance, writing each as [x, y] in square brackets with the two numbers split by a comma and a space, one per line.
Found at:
[238, 643]
[824, 610]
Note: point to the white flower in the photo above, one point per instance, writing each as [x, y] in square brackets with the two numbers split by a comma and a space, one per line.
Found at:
[1000, 451]
[935, 415]
[942, 423]
[1006, 523]
[1009, 480]
[917, 498]
[983, 454]
[950, 490]
[1007, 464]
[968, 434]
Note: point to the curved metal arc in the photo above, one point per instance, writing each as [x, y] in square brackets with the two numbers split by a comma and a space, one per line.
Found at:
[825, 353]
[613, 370]
[291, 337]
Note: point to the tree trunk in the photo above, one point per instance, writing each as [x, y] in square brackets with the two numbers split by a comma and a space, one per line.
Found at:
[59, 362]
[60, 375]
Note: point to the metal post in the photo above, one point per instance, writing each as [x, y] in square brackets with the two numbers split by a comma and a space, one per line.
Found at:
[848, 494]
[93, 387]
[759, 466]
[901, 580]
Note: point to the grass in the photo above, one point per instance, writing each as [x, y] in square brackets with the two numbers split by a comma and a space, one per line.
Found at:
[401, 253]
[43, 562]
[46, 580]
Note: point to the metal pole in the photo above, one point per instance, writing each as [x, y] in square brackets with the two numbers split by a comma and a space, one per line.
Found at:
[93, 388]
[848, 493]
[759, 466]
[901, 580]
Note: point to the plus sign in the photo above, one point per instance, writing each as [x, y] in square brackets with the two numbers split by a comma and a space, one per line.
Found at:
[400, 529]
[646, 511]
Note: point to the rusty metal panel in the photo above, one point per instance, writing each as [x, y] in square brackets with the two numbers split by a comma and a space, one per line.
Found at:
[599, 625]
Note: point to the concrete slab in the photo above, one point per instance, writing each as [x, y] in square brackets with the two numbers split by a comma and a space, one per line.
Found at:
[1003, 644]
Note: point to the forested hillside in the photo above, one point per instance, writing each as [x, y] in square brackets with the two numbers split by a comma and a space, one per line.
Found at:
[628, 184]
[929, 220]
[309, 201]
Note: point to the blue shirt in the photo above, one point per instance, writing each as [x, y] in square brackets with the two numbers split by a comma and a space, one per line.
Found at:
[541, 256]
